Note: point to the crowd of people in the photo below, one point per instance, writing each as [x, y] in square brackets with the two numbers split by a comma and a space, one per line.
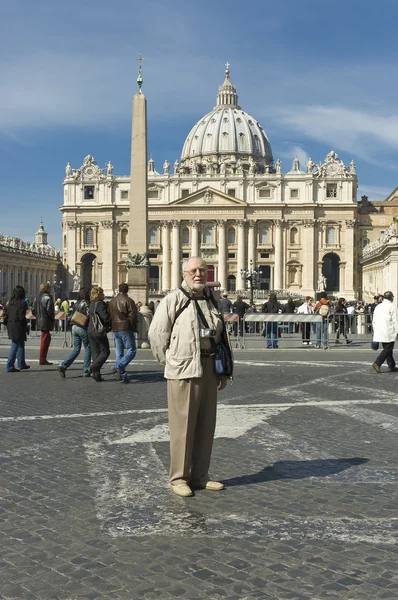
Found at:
[90, 318]
[341, 313]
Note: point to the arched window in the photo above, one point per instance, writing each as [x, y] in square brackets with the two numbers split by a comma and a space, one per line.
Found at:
[231, 236]
[264, 237]
[294, 235]
[89, 236]
[65, 241]
[123, 236]
[185, 236]
[331, 235]
[208, 233]
[153, 235]
[365, 242]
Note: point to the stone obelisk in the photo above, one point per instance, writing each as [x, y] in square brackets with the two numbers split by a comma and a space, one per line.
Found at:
[137, 277]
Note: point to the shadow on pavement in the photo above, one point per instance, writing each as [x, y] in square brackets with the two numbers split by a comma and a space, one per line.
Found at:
[297, 469]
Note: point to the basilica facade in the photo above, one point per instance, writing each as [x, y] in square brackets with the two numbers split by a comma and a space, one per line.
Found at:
[226, 199]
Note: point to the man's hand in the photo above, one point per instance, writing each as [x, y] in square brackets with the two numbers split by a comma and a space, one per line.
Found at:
[222, 382]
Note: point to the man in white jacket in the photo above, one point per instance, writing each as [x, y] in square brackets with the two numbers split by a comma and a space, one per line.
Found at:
[385, 329]
[181, 341]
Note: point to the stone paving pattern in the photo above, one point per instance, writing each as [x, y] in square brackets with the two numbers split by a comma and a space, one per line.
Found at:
[55, 545]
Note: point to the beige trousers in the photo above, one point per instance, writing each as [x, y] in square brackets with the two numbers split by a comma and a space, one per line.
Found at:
[192, 405]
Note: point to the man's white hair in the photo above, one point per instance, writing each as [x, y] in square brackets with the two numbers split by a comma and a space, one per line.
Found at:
[185, 263]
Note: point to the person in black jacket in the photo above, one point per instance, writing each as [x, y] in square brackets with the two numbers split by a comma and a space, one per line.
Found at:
[239, 308]
[99, 343]
[80, 336]
[43, 310]
[272, 307]
[340, 321]
[17, 326]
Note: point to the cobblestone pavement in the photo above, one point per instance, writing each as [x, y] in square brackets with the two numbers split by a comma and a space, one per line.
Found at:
[306, 445]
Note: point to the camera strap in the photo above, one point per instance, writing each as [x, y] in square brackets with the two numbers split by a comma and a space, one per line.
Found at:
[201, 316]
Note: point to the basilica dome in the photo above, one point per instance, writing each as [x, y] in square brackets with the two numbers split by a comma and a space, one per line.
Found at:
[227, 139]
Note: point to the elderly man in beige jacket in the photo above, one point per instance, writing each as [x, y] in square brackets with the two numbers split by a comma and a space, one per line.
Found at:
[181, 341]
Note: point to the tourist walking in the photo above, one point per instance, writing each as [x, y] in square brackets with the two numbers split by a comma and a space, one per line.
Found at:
[341, 321]
[322, 307]
[43, 310]
[80, 320]
[98, 327]
[225, 305]
[239, 308]
[306, 309]
[124, 316]
[385, 329]
[271, 307]
[17, 326]
[184, 330]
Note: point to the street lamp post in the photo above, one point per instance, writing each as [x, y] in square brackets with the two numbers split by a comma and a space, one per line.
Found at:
[252, 276]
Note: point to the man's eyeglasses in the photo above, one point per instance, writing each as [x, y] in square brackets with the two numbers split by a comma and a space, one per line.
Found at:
[202, 271]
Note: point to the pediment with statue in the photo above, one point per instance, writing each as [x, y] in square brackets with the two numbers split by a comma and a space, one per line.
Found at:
[89, 171]
[206, 197]
[333, 167]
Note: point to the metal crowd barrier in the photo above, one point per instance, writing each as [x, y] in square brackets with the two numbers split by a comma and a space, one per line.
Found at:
[288, 329]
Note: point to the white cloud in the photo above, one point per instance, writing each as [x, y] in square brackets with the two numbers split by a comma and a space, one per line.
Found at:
[355, 131]
[291, 153]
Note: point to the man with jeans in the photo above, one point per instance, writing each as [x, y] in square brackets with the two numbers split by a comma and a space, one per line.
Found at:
[123, 313]
[322, 307]
[385, 330]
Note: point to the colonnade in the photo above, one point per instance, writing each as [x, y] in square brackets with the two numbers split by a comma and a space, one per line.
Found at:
[28, 274]
[245, 249]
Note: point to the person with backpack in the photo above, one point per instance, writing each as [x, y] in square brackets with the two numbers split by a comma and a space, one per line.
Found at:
[323, 308]
[186, 327]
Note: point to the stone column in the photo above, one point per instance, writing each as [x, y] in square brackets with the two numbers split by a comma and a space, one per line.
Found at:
[251, 245]
[165, 255]
[308, 244]
[241, 262]
[342, 266]
[222, 254]
[108, 281]
[175, 261]
[194, 238]
[349, 290]
[278, 274]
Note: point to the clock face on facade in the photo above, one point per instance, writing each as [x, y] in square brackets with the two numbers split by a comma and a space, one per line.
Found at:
[332, 169]
[89, 171]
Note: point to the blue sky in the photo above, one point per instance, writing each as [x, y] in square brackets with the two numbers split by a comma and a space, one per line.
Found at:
[317, 76]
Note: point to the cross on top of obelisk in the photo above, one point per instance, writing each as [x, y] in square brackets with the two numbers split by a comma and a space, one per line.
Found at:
[139, 78]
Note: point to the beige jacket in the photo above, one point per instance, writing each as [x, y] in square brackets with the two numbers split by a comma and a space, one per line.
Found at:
[178, 347]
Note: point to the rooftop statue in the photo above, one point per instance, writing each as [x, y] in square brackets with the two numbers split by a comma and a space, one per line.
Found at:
[109, 167]
[166, 167]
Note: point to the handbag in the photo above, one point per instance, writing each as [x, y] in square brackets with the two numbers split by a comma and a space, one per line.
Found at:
[80, 319]
[374, 345]
[98, 327]
[222, 361]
